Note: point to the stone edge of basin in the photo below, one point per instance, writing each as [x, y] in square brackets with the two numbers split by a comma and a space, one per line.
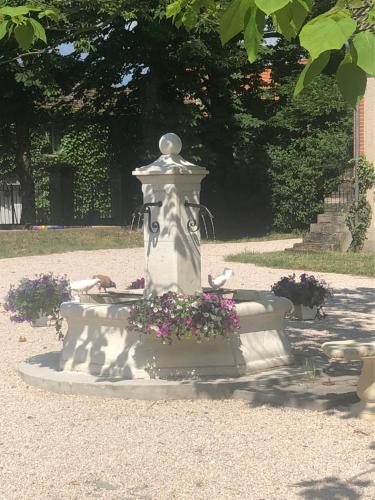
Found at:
[276, 387]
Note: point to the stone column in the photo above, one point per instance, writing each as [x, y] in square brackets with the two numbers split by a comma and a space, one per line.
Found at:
[171, 240]
[369, 152]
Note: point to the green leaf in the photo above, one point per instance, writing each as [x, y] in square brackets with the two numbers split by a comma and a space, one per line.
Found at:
[326, 33]
[364, 44]
[24, 35]
[190, 18]
[51, 13]
[290, 18]
[271, 6]
[173, 9]
[254, 33]
[351, 81]
[283, 20]
[310, 71]
[300, 10]
[3, 29]
[15, 11]
[39, 31]
[233, 19]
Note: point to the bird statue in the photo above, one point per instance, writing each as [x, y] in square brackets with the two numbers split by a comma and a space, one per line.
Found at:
[220, 280]
[83, 286]
[105, 282]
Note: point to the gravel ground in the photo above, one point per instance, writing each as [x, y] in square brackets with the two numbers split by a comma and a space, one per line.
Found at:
[69, 447]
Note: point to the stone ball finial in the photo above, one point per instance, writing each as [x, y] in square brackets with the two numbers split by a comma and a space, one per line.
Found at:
[170, 144]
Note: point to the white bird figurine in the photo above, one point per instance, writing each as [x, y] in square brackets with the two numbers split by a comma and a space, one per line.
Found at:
[83, 286]
[220, 280]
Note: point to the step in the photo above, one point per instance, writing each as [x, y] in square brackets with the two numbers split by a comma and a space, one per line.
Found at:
[320, 237]
[328, 227]
[333, 218]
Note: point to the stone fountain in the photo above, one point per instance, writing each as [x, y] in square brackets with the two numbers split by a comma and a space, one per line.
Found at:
[100, 350]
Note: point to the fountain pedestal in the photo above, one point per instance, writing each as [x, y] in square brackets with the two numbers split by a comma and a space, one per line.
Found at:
[171, 241]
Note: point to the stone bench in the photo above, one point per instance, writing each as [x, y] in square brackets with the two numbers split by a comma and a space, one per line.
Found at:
[358, 350]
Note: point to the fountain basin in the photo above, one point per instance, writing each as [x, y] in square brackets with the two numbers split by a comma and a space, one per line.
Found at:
[98, 342]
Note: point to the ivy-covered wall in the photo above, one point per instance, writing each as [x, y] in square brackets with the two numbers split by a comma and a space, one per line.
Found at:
[86, 150]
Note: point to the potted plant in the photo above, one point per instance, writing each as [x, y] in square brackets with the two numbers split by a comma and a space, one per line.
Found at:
[177, 316]
[36, 299]
[308, 294]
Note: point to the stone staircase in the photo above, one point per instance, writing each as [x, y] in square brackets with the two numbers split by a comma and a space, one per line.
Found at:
[330, 233]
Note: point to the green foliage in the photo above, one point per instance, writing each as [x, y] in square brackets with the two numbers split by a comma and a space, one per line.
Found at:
[310, 151]
[329, 32]
[7, 152]
[347, 73]
[86, 151]
[311, 71]
[364, 49]
[21, 22]
[359, 216]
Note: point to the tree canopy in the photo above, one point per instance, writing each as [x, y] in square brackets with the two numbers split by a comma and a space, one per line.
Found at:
[346, 27]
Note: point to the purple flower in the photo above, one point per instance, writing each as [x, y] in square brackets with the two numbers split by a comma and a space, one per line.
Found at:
[178, 315]
[44, 292]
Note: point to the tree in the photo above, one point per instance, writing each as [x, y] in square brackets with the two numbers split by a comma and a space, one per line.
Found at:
[309, 148]
[346, 26]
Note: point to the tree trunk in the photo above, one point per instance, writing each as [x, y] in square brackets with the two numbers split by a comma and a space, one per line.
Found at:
[24, 170]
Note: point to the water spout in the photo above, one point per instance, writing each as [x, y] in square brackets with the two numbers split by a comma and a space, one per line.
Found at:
[194, 225]
[137, 213]
[154, 227]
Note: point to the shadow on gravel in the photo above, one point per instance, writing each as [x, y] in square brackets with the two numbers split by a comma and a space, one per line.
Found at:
[332, 488]
[350, 315]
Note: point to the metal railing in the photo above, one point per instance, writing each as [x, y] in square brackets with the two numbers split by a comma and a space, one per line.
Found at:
[83, 213]
[344, 195]
[10, 204]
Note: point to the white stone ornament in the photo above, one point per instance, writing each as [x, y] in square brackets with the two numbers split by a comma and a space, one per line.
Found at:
[220, 280]
[170, 144]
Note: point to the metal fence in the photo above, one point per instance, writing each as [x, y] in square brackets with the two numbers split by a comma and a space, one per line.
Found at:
[340, 199]
[92, 208]
[10, 204]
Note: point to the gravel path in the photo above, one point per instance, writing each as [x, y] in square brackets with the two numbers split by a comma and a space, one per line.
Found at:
[69, 447]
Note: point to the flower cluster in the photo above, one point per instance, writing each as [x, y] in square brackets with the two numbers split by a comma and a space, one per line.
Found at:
[182, 316]
[41, 295]
[137, 284]
[308, 291]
